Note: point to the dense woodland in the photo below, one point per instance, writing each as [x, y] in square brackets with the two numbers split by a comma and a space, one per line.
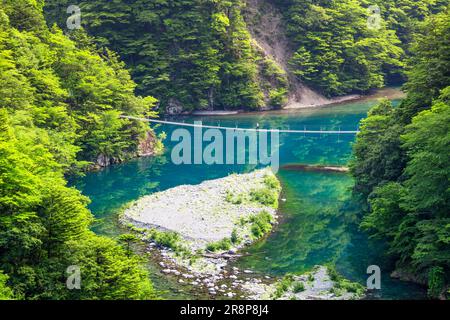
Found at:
[402, 161]
[199, 54]
[337, 53]
[193, 53]
[61, 94]
[59, 106]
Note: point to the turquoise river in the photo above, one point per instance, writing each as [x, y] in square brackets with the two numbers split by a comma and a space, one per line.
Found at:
[319, 218]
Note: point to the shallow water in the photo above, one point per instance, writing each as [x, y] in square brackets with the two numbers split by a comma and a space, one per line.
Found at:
[319, 217]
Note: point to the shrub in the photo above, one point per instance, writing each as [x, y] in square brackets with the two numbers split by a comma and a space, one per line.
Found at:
[349, 286]
[436, 282]
[283, 286]
[261, 224]
[298, 287]
[235, 239]
[334, 276]
[168, 239]
[238, 199]
[342, 285]
[272, 182]
[278, 97]
[222, 245]
[265, 196]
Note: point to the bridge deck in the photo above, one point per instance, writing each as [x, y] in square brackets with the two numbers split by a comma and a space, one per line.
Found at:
[198, 124]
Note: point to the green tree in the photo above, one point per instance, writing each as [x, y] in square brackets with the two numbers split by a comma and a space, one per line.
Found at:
[409, 200]
[335, 50]
[56, 96]
[5, 292]
[194, 53]
[378, 157]
[109, 272]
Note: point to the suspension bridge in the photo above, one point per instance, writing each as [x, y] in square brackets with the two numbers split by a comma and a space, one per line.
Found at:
[200, 125]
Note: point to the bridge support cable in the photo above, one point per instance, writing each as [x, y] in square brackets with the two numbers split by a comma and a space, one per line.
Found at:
[196, 125]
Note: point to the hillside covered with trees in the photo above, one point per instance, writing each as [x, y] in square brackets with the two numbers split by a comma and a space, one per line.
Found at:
[336, 51]
[62, 94]
[197, 54]
[402, 161]
[59, 107]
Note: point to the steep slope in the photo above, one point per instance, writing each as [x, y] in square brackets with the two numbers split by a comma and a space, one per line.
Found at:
[266, 26]
[59, 107]
[191, 55]
[249, 54]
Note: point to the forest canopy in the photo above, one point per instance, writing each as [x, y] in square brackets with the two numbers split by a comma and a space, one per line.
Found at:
[401, 163]
[63, 92]
[60, 101]
[197, 54]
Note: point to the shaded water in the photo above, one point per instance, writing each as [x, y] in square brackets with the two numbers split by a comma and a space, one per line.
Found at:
[319, 218]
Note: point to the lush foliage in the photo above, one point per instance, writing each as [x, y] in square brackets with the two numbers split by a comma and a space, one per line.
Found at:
[283, 285]
[222, 245]
[342, 285]
[198, 54]
[166, 239]
[261, 223]
[70, 93]
[402, 163]
[59, 106]
[44, 230]
[5, 292]
[339, 52]
[267, 195]
[191, 53]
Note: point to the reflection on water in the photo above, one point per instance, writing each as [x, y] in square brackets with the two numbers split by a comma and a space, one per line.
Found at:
[319, 217]
[314, 228]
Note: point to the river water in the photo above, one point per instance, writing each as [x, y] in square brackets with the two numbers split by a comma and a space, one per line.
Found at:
[319, 216]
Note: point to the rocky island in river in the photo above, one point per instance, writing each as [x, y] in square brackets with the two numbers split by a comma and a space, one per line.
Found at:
[197, 230]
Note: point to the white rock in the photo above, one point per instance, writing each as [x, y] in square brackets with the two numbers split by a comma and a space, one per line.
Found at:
[212, 291]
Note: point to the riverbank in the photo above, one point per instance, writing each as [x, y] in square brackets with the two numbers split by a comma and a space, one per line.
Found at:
[387, 93]
[384, 93]
[321, 283]
[321, 102]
